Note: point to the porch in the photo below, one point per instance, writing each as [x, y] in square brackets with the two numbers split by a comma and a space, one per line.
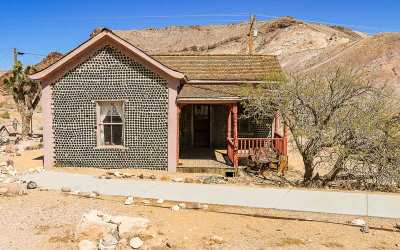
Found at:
[212, 137]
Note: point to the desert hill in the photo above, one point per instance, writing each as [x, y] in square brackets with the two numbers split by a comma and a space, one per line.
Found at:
[299, 45]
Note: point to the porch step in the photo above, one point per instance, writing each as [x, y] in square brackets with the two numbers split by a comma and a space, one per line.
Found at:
[224, 171]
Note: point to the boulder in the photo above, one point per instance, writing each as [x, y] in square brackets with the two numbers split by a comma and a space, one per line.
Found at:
[108, 242]
[160, 201]
[194, 205]
[364, 229]
[155, 244]
[131, 226]
[175, 208]
[84, 194]
[177, 180]
[3, 191]
[129, 201]
[87, 245]
[188, 180]
[145, 202]
[146, 235]
[31, 185]
[136, 243]
[92, 227]
[217, 239]
[358, 222]
[165, 178]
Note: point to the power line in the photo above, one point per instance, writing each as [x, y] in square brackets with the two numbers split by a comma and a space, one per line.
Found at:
[26, 53]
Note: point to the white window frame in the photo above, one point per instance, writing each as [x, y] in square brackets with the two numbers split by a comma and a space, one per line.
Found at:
[99, 124]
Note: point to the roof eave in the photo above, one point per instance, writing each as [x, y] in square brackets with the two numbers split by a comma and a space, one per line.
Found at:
[103, 36]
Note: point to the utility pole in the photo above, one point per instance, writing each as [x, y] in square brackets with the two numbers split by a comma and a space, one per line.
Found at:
[252, 18]
[15, 56]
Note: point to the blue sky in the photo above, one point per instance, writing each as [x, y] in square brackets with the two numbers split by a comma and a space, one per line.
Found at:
[41, 27]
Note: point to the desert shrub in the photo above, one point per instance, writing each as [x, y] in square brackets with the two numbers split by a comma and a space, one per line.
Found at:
[5, 115]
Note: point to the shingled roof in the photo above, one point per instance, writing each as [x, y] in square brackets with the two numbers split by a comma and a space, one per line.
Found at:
[222, 67]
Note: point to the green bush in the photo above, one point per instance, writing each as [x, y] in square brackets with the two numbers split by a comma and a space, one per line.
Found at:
[5, 115]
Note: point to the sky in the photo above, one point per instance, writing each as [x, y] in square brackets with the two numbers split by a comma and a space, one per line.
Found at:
[40, 27]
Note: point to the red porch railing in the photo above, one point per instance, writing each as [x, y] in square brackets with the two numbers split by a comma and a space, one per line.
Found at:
[275, 144]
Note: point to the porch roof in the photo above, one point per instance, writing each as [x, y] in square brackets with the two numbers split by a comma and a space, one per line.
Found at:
[209, 92]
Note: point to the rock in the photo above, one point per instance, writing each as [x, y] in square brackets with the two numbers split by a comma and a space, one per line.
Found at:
[92, 195]
[175, 208]
[123, 242]
[169, 243]
[153, 177]
[84, 194]
[194, 205]
[165, 178]
[217, 239]
[188, 180]
[66, 189]
[160, 201]
[155, 244]
[18, 153]
[146, 235]
[92, 227]
[358, 222]
[241, 174]
[117, 174]
[145, 202]
[141, 176]
[107, 218]
[3, 191]
[87, 245]
[31, 170]
[116, 220]
[31, 185]
[108, 242]
[182, 205]
[177, 180]
[132, 226]
[4, 164]
[136, 243]
[205, 206]
[75, 192]
[129, 201]
[365, 229]
[96, 192]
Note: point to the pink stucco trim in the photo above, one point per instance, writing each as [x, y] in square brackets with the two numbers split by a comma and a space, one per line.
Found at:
[172, 125]
[80, 54]
[47, 127]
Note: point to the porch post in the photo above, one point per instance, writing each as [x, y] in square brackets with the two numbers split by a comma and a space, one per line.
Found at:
[285, 138]
[276, 124]
[178, 111]
[235, 139]
[229, 121]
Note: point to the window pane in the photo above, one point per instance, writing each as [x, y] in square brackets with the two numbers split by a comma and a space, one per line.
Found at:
[106, 136]
[117, 134]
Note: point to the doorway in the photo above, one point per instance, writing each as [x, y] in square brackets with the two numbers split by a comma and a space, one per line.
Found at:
[201, 125]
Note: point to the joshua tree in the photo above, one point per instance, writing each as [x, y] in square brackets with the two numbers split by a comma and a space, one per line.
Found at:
[26, 93]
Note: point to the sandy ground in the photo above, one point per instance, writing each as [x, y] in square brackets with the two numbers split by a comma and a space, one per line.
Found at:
[46, 219]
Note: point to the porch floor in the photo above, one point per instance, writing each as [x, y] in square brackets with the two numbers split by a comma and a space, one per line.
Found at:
[204, 158]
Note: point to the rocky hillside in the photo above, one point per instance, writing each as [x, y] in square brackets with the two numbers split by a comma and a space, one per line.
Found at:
[299, 45]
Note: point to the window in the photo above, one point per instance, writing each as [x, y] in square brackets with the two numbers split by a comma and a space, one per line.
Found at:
[110, 125]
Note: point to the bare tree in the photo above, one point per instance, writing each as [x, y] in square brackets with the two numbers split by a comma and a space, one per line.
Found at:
[26, 93]
[335, 116]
